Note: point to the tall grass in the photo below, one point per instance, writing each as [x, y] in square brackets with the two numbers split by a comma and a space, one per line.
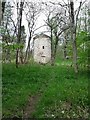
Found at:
[64, 93]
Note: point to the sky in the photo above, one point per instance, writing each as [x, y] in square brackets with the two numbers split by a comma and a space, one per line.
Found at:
[42, 18]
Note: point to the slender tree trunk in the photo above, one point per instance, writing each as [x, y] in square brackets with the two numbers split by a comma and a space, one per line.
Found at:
[73, 37]
[55, 48]
[52, 49]
[21, 56]
[65, 46]
[8, 59]
[27, 50]
[74, 52]
[2, 9]
[0, 12]
[17, 51]
[85, 19]
[19, 32]
[89, 17]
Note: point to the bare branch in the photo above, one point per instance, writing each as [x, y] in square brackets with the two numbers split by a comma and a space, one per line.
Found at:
[40, 27]
[63, 29]
[79, 11]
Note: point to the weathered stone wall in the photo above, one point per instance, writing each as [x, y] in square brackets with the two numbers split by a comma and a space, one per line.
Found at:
[42, 50]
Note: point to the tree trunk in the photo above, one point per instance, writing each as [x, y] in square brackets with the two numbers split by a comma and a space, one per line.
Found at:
[17, 51]
[85, 19]
[8, 59]
[73, 37]
[19, 32]
[27, 50]
[2, 9]
[0, 12]
[65, 46]
[21, 56]
[52, 49]
[74, 52]
[55, 48]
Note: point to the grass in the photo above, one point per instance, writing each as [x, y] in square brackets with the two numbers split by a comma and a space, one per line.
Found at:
[64, 93]
[66, 96]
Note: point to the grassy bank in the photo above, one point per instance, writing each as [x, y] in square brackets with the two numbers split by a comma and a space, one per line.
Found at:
[63, 93]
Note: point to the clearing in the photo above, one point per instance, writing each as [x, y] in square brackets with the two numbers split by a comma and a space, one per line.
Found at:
[37, 91]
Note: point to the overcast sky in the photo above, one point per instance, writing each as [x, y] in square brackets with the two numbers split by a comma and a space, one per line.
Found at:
[42, 17]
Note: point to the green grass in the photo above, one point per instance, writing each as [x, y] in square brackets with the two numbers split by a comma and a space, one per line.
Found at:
[64, 93]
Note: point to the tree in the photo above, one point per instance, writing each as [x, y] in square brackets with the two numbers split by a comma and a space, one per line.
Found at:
[6, 31]
[65, 44]
[22, 44]
[2, 9]
[72, 16]
[32, 12]
[0, 12]
[19, 31]
[83, 38]
[73, 21]
[57, 24]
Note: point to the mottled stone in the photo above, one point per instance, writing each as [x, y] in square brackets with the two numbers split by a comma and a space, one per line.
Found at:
[42, 49]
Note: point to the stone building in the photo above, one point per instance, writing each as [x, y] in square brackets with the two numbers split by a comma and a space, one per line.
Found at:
[42, 49]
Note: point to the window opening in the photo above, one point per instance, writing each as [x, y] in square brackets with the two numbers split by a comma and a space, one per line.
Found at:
[43, 47]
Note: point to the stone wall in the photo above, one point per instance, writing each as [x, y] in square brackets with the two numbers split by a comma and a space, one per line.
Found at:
[42, 50]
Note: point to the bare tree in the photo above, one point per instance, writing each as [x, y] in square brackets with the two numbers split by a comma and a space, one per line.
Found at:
[72, 16]
[57, 24]
[5, 31]
[65, 44]
[73, 20]
[0, 12]
[2, 9]
[32, 10]
[19, 31]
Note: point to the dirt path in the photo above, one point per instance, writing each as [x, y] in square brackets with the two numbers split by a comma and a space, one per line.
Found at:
[32, 102]
[30, 107]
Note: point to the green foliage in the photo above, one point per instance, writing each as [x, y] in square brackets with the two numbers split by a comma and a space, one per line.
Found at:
[12, 46]
[83, 43]
[64, 96]
[8, 33]
[69, 49]
[63, 93]
[2, 30]
[19, 84]
[82, 36]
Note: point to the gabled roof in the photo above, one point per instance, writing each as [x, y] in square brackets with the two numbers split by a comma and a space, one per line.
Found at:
[41, 35]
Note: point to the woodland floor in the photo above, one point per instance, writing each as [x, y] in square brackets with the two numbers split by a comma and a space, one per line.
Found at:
[37, 91]
[30, 107]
